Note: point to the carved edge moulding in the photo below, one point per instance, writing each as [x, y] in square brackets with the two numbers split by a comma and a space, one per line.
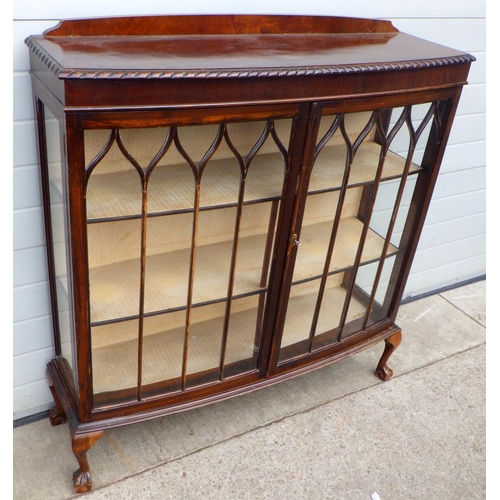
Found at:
[229, 201]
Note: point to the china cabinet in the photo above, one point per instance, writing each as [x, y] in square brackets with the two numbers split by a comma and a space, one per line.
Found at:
[229, 201]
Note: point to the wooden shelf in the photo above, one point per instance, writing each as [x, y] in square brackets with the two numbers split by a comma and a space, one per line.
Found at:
[118, 194]
[114, 288]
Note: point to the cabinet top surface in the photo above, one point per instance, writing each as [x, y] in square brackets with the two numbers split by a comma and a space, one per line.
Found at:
[231, 46]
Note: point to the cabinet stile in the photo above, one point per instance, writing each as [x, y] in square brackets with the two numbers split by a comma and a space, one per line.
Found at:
[265, 274]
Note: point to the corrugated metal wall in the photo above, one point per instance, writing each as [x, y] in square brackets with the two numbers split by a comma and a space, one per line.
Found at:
[452, 248]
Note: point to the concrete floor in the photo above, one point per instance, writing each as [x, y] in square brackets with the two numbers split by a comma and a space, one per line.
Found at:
[337, 433]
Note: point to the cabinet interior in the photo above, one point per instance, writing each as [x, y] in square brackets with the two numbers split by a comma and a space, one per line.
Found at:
[166, 205]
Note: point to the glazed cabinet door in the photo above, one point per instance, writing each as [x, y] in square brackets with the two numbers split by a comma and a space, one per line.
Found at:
[181, 222]
[361, 204]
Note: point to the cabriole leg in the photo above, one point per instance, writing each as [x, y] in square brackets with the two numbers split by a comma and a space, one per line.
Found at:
[80, 445]
[383, 372]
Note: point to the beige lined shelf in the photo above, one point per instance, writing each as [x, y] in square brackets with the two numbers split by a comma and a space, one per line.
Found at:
[301, 307]
[114, 366]
[363, 168]
[114, 288]
[171, 187]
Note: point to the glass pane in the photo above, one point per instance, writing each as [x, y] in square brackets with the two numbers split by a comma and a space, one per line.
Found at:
[61, 247]
[337, 313]
[381, 300]
[114, 250]
[244, 333]
[115, 362]
[264, 179]
[255, 241]
[168, 253]
[114, 184]
[299, 318]
[332, 148]
[419, 118]
[163, 347]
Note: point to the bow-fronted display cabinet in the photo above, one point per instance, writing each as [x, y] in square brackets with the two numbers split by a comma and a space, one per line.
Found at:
[229, 201]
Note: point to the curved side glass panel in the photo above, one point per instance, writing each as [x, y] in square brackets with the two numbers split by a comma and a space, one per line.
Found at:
[57, 190]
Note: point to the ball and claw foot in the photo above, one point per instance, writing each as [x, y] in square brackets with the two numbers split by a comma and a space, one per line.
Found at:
[81, 444]
[82, 481]
[383, 372]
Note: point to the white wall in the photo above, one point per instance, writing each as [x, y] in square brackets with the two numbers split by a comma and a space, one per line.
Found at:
[452, 248]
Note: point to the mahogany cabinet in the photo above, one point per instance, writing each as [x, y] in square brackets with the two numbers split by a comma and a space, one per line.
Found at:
[229, 201]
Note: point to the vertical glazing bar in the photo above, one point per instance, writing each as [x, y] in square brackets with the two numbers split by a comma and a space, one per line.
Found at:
[145, 176]
[189, 301]
[144, 215]
[197, 172]
[244, 166]
[144, 218]
[230, 285]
